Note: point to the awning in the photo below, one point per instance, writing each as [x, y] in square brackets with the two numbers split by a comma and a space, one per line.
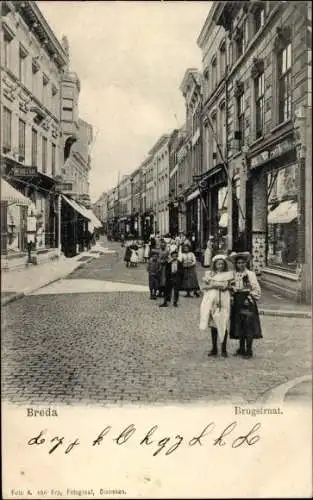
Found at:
[223, 220]
[81, 210]
[286, 212]
[13, 196]
[193, 195]
[93, 218]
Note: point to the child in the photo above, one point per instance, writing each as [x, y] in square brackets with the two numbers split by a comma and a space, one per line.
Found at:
[174, 273]
[153, 269]
[215, 306]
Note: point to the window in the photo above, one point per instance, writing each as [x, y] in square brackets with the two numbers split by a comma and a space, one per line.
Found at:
[214, 74]
[223, 127]
[67, 109]
[44, 155]
[245, 34]
[282, 213]
[7, 50]
[45, 96]
[259, 105]
[241, 119]
[22, 64]
[240, 44]
[284, 77]
[223, 59]
[7, 130]
[259, 18]
[21, 140]
[34, 147]
[53, 160]
[214, 137]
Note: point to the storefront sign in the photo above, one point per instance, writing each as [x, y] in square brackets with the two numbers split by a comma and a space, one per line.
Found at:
[24, 171]
[278, 150]
[64, 186]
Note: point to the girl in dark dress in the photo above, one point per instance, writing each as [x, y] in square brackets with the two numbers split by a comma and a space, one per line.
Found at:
[244, 319]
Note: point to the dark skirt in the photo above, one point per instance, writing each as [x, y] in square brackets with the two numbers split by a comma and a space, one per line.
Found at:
[244, 320]
[190, 279]
[153, 282]
[127, 255]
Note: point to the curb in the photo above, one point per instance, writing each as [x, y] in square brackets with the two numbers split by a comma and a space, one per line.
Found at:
[285, 313]
[7, 300]
[278, 393]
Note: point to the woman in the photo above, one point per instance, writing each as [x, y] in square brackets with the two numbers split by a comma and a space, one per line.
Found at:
[146, 252]
[208, 252]
[244, 320]
[163, 259]
[190, 280]
[215, 306]
[128, 253]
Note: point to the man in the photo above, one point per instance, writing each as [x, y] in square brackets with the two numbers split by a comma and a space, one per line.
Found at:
[163, 259]
[173, 278]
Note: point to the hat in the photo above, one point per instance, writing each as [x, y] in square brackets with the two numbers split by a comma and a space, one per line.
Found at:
[219, 256]
[240, 255]
[174, 250]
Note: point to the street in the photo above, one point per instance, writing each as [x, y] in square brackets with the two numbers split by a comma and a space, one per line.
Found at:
[95, 337]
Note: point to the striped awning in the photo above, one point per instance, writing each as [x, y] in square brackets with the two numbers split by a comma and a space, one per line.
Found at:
[13, 196]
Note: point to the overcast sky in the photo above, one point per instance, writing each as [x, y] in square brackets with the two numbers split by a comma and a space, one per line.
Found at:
[131, 58]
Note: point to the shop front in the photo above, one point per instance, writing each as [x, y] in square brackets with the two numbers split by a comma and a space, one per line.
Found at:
[193, 217]
[278, 216]
[214, 207]
[75, 227]
[40, 190]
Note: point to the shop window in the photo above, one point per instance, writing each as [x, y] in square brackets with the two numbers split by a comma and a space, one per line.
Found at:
[44, 154]
[7, 130]
[259, 19]
[259, 90]
[21, 140]
[34, 147]
[282, 218]
[284, 79]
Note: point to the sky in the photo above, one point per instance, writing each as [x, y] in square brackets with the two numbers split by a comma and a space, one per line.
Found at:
[131, 58]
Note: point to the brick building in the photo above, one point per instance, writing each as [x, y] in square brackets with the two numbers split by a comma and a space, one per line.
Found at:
[191, 88]
[147, 197]
[267, 88]
[213, 181]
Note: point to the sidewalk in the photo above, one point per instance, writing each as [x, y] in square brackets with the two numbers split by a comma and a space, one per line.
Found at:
[16, 284]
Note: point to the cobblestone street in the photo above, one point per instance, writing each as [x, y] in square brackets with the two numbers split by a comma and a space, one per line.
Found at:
[119, 347]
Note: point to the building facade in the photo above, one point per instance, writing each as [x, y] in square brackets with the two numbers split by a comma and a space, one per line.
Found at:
[136, 208]
[147, 197]
[124, 205]
[160, 166]
[213, 182]
[33, 63]
[100, 208]
[191, 88]
[267, 94]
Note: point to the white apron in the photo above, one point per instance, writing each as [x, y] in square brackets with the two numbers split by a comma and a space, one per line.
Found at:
[215, 307]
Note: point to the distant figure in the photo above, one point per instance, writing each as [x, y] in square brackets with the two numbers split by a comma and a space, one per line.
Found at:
[208, 253]
[153, 269]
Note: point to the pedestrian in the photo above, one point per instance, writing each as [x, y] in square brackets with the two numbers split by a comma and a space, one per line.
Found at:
[134, 255]
[146, 254]
[153, 269]
[208, 253]
[140, 251]
[190, 280]
[216, 303]
[163, 259]
[122, 240]
[173, 277]
[127, 254]
[244, 319]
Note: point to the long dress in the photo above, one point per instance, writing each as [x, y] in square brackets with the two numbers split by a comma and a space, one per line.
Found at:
[147, 251]
[190, 279]
[141, 253]
[245, 319]
[134, 256]
[215, 305]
